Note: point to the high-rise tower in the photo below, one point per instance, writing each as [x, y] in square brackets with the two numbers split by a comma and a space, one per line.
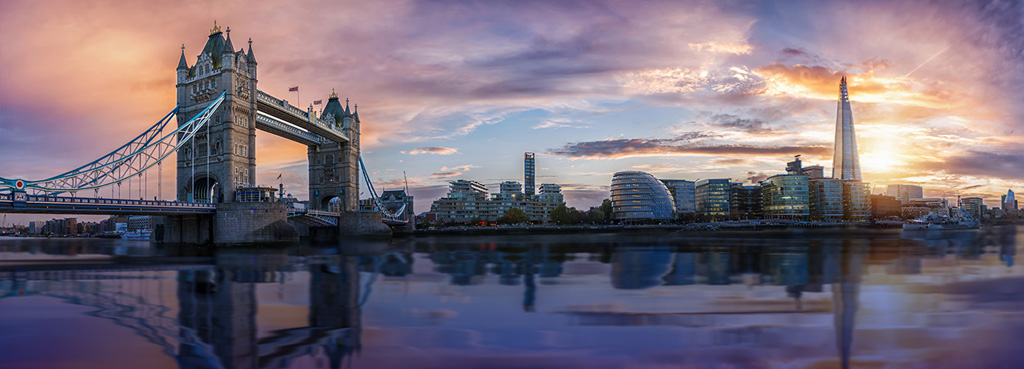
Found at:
[529, 173]
[845, 161]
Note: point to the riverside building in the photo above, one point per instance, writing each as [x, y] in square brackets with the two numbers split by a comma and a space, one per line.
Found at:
[712, 198]
[638, 196]
[468, 201]
[683, 194]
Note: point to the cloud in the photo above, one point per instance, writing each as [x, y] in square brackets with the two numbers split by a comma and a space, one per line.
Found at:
[434, 150]
[1005, 165]
[719, 47]
[749, 125]
[754, 177]
[680, 145]
[441, 175]
[560, 123]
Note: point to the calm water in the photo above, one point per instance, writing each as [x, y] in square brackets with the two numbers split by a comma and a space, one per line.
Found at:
[862, 299]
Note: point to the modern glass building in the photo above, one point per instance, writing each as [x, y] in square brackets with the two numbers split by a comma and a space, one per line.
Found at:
[745, 202]
[786, 197]
[845, 159]
[903, 192]
[856, 201]
[973, 206]
[638, 196]
[529, 173]
[826, 199]
[712, 197]
[683, 193]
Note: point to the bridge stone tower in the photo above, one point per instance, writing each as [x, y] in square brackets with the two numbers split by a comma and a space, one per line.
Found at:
[223, 156]
[334, 166]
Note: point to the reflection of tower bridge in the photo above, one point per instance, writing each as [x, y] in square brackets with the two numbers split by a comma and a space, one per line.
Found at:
[215, 326]
[219, 111]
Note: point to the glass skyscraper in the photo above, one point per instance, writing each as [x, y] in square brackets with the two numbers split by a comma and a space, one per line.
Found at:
[529, 173]
[845, 161]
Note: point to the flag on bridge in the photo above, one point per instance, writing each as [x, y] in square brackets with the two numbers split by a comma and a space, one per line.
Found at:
[293, 89]
[318, 102]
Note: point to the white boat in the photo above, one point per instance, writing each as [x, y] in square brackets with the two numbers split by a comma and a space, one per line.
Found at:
[933, 221]
[141, 234]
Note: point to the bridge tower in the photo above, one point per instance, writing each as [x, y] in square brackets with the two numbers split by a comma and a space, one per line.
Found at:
[213, 165]
[334, 166]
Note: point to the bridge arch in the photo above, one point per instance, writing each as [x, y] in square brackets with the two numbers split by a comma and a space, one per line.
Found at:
[206, 188]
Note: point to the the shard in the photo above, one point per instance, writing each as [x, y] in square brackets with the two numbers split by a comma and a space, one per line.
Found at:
[845, 161]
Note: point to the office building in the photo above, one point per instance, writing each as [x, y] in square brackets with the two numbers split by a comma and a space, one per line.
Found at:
[813, 172]
[845, 158]
[683, 193]
[468, 200]
[711, 198]
[137, 222]
[745, 202]
[826, 199]
[883, 206]
[1008, 201]
[856, 201]
[974, 206]
[786, 196]
[529, 173]
[903, 192]
[916, 208]
[638, 196]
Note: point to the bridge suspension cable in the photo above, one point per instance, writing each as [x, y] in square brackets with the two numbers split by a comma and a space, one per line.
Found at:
[378, 204]
[131, 159]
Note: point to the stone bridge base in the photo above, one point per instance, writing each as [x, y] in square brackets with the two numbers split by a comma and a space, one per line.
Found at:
[235, 223]
[362, 224]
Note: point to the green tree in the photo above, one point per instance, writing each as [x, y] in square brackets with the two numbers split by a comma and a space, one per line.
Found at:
[564, 215]
[606, 207]
[594, 216]
[514, 216]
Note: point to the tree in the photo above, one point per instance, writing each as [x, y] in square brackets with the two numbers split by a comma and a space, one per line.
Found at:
[564, 215]
[606, 207]
[594, 216]
[514, 216]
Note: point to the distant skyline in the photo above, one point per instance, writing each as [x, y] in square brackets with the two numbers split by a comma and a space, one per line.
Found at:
[461, 89]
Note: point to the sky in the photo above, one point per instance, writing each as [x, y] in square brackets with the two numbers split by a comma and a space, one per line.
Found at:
[461, 89]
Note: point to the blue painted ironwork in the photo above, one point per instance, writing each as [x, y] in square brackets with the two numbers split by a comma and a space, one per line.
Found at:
[397, 216]
[130, 160]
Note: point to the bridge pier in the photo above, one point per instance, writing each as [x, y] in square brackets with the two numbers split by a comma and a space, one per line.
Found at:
[235, 223]
[362, 224]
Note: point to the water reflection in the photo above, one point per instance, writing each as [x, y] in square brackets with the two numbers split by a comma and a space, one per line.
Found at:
[237, 308]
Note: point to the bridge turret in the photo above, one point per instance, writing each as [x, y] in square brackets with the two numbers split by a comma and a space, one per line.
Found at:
[182, 66]
[228, 55]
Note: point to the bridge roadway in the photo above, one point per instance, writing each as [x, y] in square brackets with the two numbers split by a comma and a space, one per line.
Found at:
[40, 204]
[285, 114]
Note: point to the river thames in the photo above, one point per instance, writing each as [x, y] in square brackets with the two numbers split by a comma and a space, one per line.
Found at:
[768, 299]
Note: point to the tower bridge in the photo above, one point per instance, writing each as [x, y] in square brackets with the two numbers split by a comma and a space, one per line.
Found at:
[219, 110]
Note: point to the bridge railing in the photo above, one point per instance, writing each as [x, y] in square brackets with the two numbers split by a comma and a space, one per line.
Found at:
[101, 201]
[271, 100]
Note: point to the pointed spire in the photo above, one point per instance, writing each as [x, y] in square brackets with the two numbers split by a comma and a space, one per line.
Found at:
[334, 95]
[355, 111]
[182, 64]
[215, 29]
[228, 48]
[347, 112]
[251, 57]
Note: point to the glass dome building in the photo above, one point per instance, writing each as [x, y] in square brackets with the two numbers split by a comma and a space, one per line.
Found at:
[639, 196]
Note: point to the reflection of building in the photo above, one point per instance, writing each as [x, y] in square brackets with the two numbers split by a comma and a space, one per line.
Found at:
[683, 193]
[640, 196]
[712, 197]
